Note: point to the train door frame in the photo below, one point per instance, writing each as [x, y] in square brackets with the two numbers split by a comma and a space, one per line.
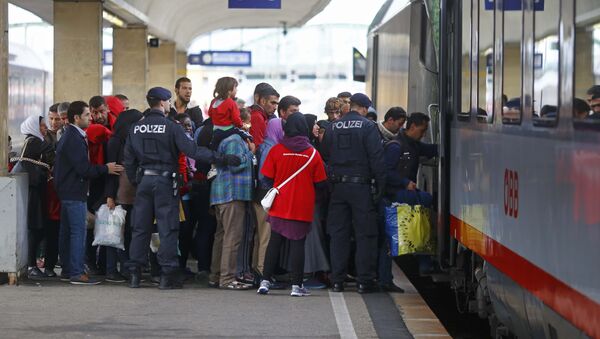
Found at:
[448, 71]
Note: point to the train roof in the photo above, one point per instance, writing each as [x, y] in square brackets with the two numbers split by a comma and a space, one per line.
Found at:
[387, 11]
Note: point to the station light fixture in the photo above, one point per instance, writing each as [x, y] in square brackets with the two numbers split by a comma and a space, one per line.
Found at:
[113, 19]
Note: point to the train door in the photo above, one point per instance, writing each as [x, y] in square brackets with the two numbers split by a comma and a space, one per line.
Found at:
[449, 92]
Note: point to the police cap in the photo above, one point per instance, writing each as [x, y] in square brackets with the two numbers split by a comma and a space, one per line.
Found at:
[361, 100]
[159, 93]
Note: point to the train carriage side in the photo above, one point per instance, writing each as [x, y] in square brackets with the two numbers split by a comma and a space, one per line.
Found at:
[519, 158]
[524, 171]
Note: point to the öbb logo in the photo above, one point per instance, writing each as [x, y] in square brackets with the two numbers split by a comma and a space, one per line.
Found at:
[511, 193]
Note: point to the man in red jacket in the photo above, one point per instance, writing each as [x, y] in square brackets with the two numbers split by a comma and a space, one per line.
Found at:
[266, 100]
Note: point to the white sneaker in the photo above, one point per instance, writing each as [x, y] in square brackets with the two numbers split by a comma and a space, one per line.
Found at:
[299, 291]
[212, 173]
[264, 287]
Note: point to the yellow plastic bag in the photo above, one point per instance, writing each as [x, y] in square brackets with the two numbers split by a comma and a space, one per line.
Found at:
[408, 229]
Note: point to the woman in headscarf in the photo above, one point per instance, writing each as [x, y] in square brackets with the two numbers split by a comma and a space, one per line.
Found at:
[311, 121]
[36, 160]
[292, 210]
[273, 136]
[119, 190]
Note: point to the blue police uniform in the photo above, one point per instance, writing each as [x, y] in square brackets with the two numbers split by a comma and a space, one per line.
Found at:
[151, 161]
[353, 148]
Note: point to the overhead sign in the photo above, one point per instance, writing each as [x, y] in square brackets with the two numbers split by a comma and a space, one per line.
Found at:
[221, 58]
[262, 4]
[514, 5]
[107, 57]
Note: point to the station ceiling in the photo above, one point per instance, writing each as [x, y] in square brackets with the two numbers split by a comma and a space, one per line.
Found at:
[184, 20]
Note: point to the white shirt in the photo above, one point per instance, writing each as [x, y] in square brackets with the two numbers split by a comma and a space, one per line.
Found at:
[82, 132]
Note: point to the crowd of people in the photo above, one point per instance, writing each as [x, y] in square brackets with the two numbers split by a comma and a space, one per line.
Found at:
[201, 185]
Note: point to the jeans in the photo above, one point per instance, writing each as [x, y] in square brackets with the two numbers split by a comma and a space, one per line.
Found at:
[384, 261]
[72, 237]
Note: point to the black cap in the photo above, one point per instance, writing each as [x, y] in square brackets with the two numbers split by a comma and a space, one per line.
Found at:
[361, 100]
[159, 93]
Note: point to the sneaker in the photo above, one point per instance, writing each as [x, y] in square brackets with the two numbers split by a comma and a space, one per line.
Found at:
[299, 291]
[264, 287]
[246, 278]
[212, 173]
[34, 273]
[65, 277]
[235, 285]
[50, 273]
[155, 279]
[84, 279]
[115, 278]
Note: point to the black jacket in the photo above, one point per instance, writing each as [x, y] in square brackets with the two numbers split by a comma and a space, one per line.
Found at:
[195, 114]
[402, 160]
[72, 168]
[155, 143]
[352, 147]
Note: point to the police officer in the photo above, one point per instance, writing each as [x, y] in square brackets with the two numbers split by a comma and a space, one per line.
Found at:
[151, 162]
[355, 157]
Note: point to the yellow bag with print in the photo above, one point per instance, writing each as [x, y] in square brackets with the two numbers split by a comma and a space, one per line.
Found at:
[408, 229]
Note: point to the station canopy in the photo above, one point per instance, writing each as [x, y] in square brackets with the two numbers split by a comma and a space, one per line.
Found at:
[182, 21]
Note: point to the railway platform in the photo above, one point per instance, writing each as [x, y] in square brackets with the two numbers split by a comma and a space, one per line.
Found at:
[54, 309]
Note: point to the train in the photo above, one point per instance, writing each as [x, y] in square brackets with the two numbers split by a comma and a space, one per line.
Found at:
[517, 182]
[29, 89]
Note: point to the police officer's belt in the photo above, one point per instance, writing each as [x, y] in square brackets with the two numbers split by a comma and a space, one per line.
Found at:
[165, 174]
[349, 179]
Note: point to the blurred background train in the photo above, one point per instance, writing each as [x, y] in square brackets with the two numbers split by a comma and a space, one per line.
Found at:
[29, 89]
[517, 183]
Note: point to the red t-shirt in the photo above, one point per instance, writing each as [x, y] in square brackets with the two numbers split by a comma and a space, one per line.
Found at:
[296, 200]
[226, 114]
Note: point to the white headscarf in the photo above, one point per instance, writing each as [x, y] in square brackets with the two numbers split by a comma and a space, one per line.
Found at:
[31, 126]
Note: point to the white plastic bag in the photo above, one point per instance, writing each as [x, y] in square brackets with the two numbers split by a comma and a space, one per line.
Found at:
[109, 228]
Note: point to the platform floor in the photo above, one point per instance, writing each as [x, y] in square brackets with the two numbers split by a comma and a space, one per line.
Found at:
[54, 309]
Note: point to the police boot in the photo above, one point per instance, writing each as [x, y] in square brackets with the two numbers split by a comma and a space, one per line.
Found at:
[171, 281]
[135, 277]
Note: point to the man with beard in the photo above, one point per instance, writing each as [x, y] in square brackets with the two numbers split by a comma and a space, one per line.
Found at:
[183, 93]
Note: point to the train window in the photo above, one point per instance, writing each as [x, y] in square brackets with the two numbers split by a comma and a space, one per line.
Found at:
[586, 101]
[485, 102]
[511, 65]
[465, 107]
[546, 63]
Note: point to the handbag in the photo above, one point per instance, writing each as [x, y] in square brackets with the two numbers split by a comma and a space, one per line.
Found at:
[267, 201]
[408, 229]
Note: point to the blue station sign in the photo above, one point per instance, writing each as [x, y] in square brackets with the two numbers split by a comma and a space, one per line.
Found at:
[260, 4]
[514, 5]
[221, 58]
